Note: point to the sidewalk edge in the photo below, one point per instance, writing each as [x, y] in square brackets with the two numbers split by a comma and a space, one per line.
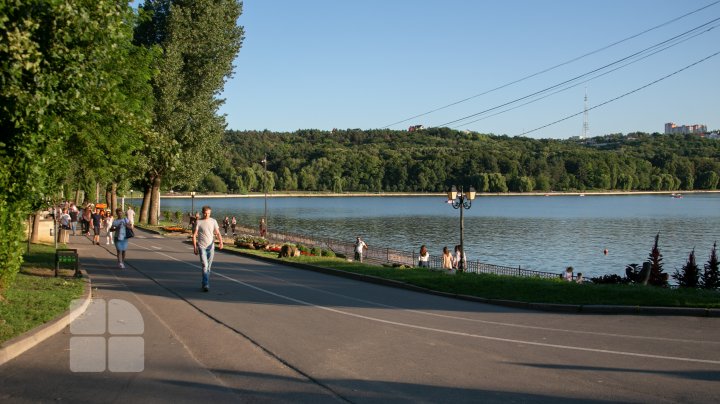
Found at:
[15, 347]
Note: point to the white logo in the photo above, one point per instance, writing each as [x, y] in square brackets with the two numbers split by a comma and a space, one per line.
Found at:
[107, 337]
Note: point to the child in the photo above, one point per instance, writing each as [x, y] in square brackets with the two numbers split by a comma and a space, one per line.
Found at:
[107, 223]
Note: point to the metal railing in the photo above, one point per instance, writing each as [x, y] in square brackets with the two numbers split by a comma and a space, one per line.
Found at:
[389, 255]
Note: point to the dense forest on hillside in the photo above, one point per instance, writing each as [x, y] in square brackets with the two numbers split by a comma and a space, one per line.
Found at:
[433, 159]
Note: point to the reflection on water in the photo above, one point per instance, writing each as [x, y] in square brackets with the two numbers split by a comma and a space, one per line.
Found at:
[541, 233]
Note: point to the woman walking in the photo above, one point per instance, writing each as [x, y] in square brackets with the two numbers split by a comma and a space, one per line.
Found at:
[424, 260]
[447, 261]
[119, 227]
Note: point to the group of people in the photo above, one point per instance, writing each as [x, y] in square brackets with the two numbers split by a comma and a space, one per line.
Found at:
[568, 276]
[451, 263]
[229, 223]
[117, 228]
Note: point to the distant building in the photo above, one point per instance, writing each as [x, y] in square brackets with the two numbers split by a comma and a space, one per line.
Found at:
[672, 129]
[415, 128]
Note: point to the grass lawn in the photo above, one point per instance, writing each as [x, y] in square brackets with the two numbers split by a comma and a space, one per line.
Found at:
[36, 296]
[522, 289]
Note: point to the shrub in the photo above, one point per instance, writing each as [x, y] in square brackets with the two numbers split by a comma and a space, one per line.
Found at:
[167, 214]
[689, 274]
[316, 251]
[657, 276]
[710, 278]
[611, 279]
[328, 253]
[303, 248]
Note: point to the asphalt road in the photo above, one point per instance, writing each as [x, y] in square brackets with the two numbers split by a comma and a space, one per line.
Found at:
[267, 332]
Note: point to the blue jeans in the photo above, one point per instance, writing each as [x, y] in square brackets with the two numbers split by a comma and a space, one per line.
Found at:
[73, 226]
[206, 258]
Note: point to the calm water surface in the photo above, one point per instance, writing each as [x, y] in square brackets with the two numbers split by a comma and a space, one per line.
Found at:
[534, 232]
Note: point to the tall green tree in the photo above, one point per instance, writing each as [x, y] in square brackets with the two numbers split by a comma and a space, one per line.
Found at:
[199, 40]
[54, 57]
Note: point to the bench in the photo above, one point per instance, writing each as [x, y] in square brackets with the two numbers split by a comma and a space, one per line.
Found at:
[67, 256]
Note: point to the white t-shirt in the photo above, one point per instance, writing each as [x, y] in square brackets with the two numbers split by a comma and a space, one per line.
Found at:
[131, 216]
[359, 246]
[206, 229]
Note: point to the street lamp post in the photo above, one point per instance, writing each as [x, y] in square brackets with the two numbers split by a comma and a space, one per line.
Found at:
[131, 197]
[461, 200]
[192, 199]
[265, 185]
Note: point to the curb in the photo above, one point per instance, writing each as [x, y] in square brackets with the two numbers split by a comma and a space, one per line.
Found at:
[550, 307]
[13, 348]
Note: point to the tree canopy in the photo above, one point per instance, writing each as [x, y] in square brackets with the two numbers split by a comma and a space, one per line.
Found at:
[432, 160]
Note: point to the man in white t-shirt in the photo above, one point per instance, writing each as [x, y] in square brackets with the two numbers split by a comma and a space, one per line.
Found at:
[359, 247]
[204, 243]
[130, 215]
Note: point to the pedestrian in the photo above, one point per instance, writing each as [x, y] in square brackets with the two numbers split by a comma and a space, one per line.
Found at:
[119, 228]
[579, 278]
[568, 276]
[193, 222]
[96, 219]
[86, 217]
[131, 215]
[233, 225]
[108, 221]
[204, 244]
[460, 259]
[447, 260]
[74, 213]
[65, 220]
[226, 224]
[424, 259]
[359, 247]
[263, 227]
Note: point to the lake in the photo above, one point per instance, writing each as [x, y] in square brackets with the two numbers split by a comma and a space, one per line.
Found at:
[534, 232]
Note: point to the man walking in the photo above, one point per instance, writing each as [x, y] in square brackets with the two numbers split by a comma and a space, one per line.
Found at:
[130, 215]
[204, 243]
[359, 247]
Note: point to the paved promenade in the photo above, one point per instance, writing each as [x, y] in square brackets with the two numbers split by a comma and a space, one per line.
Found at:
[267, 332]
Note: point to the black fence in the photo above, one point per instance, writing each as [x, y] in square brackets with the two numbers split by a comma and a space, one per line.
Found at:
[389, 255]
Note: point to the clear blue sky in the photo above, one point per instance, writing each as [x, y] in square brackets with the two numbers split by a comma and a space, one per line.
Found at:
[327, 64]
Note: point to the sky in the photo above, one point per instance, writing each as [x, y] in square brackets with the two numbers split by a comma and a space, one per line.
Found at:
[324, 64]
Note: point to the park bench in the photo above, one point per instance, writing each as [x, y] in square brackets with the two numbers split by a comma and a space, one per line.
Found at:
[67, 256]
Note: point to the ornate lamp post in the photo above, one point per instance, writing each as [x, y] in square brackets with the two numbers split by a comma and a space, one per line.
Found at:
[192, 199]
[461, 200]
[265, 185]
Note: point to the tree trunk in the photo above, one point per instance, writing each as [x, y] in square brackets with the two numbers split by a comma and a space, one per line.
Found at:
[108, 197]
[35, 229]
[145, 209]
[113, 197]
[155, 202]
[77, 197]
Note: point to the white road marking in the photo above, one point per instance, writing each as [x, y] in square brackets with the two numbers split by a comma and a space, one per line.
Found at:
[531, 327]
[458, 333]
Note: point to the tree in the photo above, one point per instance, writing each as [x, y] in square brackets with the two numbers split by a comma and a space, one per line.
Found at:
[199, 40]
[54, 58]
[657, 276]
[710, 278]
[689, 274]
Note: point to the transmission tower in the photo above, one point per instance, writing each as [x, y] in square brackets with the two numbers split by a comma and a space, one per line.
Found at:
[586, 124]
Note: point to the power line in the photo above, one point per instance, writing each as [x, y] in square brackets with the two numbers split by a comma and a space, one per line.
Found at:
[623, 95]
[582, 75]
[585, 81]
[556, 66]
